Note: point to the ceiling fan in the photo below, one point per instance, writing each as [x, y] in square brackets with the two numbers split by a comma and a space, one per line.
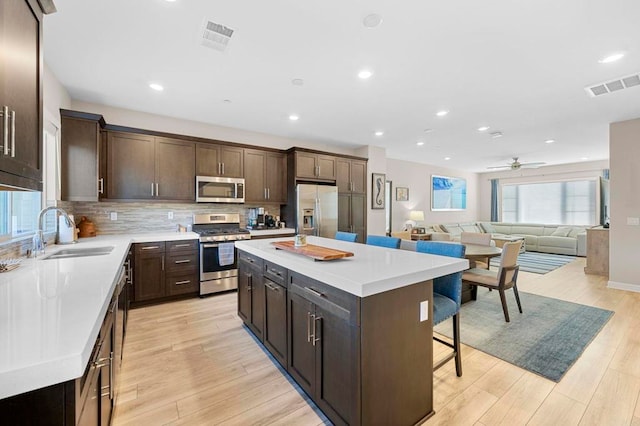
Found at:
[515, 165]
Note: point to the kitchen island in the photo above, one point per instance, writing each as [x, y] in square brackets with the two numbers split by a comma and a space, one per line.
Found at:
[354, 333]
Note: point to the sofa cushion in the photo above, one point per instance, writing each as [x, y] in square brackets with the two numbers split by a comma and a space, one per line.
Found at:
[470, 227]
[527, 229]
[575, 231]
[499, 228]
[487, 227]
[452, 228]
[551, 241]
[561, 231]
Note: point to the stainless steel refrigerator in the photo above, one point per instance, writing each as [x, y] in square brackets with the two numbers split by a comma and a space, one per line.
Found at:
[317, 210]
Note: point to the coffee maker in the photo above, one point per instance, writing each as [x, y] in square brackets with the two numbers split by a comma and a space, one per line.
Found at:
[256, 218]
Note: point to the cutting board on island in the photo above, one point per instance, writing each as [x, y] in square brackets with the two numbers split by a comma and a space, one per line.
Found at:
[312, 251]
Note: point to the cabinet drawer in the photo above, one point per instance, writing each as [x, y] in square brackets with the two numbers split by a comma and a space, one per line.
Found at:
[180, 246]
[249, 259]
[275, 273]
[180, 283]
[182, 262]
[336, 301]
[150, 248]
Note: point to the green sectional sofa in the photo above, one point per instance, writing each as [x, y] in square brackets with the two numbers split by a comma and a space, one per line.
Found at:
[557, 239]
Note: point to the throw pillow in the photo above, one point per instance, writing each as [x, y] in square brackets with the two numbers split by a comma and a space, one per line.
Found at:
[561, 231]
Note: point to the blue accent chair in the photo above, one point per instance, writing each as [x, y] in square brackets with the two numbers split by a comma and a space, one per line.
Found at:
[382, 241]
[447, 292]
[346, 236]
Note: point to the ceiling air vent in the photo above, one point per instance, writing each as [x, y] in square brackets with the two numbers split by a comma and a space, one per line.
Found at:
[613, 85]
[215, 36]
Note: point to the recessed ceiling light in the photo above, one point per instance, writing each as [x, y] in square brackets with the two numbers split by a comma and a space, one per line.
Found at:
[364, 74]
[156, 86]
[447, 158]
[372, 20]
[584, 158]
[611, 58]
[379, 133]
[420, 143]
[170, 1]
[297, 82]
[428, 130]
[495, 135]
[550, 141]
[442, 113]
[293, 117]
[483, 128]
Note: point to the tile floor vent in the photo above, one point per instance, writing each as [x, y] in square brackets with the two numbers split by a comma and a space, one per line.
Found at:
[613, 85]
[215, 36]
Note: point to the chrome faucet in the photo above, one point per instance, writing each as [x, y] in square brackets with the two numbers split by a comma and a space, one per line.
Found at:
[38, 238]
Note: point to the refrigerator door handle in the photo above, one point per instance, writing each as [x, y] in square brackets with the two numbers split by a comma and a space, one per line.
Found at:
[318, 224]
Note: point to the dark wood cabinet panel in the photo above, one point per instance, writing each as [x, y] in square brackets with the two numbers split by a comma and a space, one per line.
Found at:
[21, 94]
[302, 356]
[219, 160]
[275, 320]
[351, 175]
[131, 166]
[149, 276]
[352, 214]
[315, 166]
[175, 170]
[359, 176]
[244, 293]
[265, 176]
[257, 304]
[81, 158]
[343, 175]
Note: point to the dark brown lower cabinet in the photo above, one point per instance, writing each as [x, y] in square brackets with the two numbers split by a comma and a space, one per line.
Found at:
[362, 360]
[275, 320]
[251, 293]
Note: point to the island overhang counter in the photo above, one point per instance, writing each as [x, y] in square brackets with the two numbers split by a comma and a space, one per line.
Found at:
[354, 333]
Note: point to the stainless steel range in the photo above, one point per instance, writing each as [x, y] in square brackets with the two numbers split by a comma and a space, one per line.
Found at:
[218, 257]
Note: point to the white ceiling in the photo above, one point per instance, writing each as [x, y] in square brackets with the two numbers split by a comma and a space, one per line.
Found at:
[518, 66]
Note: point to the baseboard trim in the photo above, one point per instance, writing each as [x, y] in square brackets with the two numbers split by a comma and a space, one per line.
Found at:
[623, 286]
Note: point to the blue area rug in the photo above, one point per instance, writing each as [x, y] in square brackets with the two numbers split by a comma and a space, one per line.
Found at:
[538, 263]
[546, 339]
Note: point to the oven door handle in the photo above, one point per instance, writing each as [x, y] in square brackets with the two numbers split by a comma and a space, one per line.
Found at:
[210, 245]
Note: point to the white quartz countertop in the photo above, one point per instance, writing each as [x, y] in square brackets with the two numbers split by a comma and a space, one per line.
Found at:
[370, 271]
[51, 311]
[272, 231]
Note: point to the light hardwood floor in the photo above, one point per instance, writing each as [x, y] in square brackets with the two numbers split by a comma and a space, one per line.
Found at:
[191, 362]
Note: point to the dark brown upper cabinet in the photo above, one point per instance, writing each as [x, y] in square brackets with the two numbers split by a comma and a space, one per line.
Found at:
[82, 161]
[143, 167]
[265, 176]
[314, 166]
[351, 175]
[21, 123]
[219, 160]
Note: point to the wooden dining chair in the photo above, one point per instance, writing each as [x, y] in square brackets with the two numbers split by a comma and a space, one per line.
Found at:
[346, 236]
[505, 279]
[447, 295]
[383, 241]
[479, 238]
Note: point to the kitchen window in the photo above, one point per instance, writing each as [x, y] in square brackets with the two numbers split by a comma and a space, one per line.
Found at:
[18, 213]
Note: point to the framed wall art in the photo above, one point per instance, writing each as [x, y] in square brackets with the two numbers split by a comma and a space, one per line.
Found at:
[378, 190]
[402, 194]
[448, 193]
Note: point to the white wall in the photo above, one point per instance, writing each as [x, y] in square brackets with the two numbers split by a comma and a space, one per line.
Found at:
[417, 177]
[583, 170]
[55, 96]
[624, 154]
[377, 164]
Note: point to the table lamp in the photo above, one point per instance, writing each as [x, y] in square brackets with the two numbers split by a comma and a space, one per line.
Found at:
[415, 216]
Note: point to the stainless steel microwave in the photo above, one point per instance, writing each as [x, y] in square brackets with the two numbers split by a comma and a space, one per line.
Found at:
[211, 189]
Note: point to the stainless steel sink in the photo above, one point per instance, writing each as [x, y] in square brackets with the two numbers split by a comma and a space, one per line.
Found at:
[79, 252]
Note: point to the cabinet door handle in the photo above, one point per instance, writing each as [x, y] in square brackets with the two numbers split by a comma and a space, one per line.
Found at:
[265, 193]
[152, 189]
[5, 129]
[157, 190]
[314, 331]
[223, 168]
[150, 248]
[314, 292]
[275, 272]
[182, 245]
[309, 327]
[183, 282]
[250, 278]
[101, 186]
[268, 193]
[272, 287]
[182, 261]
[219, 168]
[163, 262]
[13, 134]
